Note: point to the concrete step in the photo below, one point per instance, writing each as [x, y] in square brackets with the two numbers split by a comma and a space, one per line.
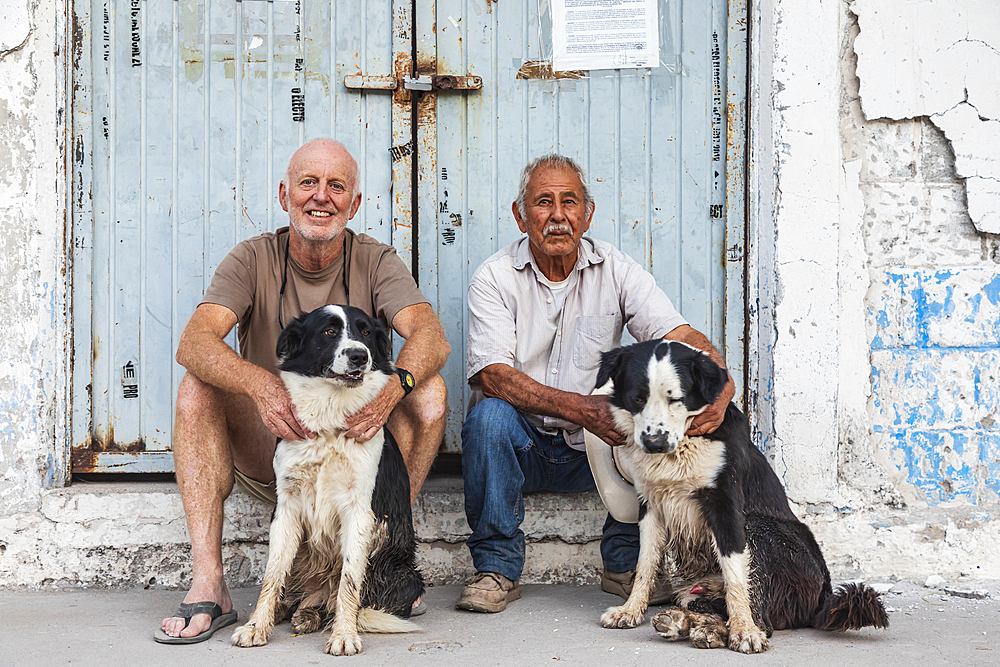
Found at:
[129, 534]
[562, 534]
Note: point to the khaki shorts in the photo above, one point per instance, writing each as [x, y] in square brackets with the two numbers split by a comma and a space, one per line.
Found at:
[266, 492]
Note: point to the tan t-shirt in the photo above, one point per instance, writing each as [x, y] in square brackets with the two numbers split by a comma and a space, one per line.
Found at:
[248, 282]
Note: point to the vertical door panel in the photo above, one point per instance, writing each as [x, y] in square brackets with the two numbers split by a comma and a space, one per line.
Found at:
[156, 186]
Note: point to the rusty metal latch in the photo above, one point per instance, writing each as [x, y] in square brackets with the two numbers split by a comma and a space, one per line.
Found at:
[423, 82]
[370, 82]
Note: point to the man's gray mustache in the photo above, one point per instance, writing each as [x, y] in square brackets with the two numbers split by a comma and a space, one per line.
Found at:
[560, 228]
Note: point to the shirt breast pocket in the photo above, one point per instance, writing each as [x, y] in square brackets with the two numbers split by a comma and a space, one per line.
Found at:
[594, 334]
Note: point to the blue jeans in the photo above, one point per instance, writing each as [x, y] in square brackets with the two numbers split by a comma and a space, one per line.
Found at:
[503, 457]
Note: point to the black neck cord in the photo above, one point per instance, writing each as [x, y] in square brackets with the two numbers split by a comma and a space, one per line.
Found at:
[284, 277]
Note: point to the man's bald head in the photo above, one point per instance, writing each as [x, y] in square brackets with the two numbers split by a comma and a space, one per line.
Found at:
[320, 147]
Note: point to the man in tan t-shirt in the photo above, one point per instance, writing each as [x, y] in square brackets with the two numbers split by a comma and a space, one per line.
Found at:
[231, 408]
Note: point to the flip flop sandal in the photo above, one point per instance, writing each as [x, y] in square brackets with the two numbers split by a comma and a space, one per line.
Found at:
[189, 609]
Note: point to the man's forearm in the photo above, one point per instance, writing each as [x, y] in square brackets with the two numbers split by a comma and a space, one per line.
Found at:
[211, 360]
[530, 396]
[694, 338]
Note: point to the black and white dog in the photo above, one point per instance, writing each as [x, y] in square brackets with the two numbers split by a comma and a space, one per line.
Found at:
[743, 564]
[342, 539]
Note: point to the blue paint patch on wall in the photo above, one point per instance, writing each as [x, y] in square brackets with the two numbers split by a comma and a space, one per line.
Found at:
[914, 388]
[935, 344]
[940, 308]
[992, 291]
[938, 463]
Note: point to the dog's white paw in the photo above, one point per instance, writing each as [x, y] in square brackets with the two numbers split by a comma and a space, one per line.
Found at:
[306, 620]
[343, 644]
[622, 617]
[747, 639]
[250, 635]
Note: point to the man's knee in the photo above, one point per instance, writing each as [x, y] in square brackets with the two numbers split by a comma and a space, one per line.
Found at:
[428, 403]
[489, 424]
[196, 399]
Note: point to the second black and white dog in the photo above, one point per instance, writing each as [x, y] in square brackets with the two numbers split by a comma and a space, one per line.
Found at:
[743, 564]
[342, 539]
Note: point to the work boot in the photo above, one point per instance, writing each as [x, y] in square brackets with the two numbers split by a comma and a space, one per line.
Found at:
[488, 592]
[620, 583]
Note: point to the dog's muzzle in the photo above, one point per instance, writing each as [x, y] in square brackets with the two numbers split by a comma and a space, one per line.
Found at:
[357, 358]
[353, 364]
[657, 443]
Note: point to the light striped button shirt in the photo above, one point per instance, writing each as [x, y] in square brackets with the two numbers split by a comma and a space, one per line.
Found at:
[556, 337]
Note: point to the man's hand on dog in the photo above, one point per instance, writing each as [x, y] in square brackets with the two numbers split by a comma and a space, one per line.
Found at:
[712, 417]
[599, 420]
[365, 424]
[277, 412]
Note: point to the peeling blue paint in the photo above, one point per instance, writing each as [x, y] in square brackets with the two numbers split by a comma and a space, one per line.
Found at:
[50, 472]
[924, 460]
[992, 290]
[936, 379]
[882, 319]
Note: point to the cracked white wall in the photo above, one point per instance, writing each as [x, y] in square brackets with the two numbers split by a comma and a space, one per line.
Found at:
[878, 299]
[939, 58]
[32, 254]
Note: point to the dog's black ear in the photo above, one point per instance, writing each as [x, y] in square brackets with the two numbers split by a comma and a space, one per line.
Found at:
[611, 362]
[290, 341]
[708, 377]
[383, 345]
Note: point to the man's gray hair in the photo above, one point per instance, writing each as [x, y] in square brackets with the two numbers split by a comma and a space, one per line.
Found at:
[552, 160]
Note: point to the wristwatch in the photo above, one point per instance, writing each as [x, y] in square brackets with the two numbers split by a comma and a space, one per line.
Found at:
[406, 379]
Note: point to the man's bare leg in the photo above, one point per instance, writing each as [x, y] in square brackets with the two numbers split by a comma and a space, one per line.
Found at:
[207, 423]
[417, 423]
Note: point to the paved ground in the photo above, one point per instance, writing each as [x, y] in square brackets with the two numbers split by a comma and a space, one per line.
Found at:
[549, 625]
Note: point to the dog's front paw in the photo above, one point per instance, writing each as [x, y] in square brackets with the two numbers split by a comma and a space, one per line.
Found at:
[671, 624]
[622, 617]
[306, 620]
[713, 635]
[343, 644]
[747, 639]
[250, 635]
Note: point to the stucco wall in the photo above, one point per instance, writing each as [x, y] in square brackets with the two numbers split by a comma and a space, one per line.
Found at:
[33, 336]
[879, 299]
[873, 330]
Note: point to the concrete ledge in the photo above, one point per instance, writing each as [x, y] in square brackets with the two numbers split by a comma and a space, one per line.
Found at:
[124, 535]
[134, 534]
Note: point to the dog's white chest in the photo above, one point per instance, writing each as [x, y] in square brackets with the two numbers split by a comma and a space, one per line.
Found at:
[668, 482]
[326, 481]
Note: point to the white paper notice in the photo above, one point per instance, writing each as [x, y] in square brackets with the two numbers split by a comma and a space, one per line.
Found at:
[604, 34]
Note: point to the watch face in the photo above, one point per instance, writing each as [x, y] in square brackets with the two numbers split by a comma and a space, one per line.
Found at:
[406, 379]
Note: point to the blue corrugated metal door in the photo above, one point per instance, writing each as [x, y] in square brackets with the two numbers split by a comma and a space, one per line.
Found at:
[185, 112]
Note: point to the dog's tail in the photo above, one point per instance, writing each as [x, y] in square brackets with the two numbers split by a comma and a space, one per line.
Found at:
[382, 622]
[850, 607]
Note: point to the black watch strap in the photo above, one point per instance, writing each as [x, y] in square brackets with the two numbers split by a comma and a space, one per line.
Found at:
[406, 380]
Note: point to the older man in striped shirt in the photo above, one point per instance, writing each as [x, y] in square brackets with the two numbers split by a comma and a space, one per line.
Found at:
[541, 312]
